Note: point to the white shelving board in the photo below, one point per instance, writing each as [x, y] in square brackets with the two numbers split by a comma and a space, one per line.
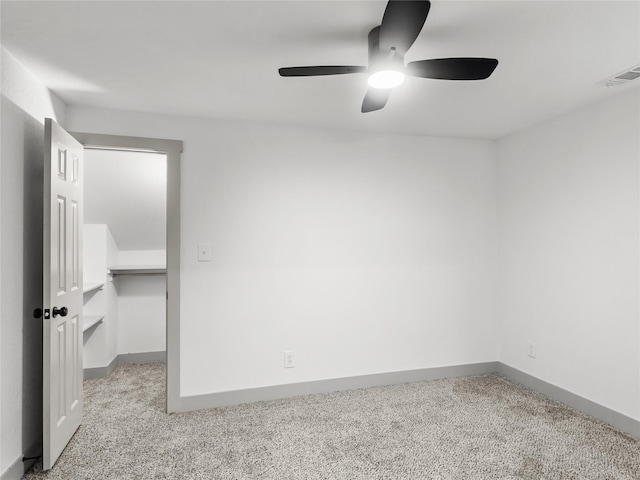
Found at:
[138, 270]
[89, 321]
[90, 287]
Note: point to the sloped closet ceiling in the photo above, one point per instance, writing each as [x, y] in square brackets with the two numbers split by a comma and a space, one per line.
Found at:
[127, 191]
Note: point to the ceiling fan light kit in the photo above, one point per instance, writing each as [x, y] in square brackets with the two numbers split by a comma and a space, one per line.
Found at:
[386, 79]
[385, 68]
[388, 43]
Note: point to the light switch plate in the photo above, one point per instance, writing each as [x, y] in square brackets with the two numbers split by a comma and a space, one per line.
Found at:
[204, 252]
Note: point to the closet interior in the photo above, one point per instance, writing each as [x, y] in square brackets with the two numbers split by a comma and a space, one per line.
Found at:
[124, 257]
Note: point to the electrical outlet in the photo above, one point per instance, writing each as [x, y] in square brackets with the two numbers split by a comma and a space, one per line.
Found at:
[532, 350]
[289, 359]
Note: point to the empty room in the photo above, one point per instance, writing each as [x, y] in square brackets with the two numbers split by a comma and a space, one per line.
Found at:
[320, 239]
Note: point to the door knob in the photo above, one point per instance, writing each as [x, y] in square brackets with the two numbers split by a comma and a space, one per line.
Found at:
[60, 311]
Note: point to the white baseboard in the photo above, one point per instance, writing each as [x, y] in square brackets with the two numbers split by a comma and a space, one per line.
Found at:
[141, 357]
[615, 419]
[213, 400]
[235, 397]
[100, 372]
[17, 469]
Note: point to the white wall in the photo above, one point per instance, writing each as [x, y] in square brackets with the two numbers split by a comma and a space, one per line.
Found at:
[25, 104]
[142, 316]
[568, 210]
[142, 257]
[364, 253]
[100, 252]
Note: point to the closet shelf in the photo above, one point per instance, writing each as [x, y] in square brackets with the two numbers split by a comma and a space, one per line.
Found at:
[90, 287]
[89, 321]
[138, 270]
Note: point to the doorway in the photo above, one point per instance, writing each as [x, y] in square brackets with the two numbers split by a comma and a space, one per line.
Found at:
[124, 259]
[172, 150]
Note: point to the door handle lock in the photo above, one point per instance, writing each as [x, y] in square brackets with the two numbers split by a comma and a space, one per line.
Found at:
[60, 311]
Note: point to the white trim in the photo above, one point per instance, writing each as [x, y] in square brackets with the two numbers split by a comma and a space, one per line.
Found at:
[18, 468]
[141, 357]
[615, 419]
[235, 397]
[100, 372]
[172, 149]
[219, 399]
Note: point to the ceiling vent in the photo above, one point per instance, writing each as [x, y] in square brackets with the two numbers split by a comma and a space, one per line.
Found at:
[621, 78]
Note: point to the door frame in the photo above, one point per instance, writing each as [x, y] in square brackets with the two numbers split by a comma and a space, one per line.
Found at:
[172, 149]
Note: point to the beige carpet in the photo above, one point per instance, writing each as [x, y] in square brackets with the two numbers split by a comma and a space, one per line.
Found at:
[482, 427]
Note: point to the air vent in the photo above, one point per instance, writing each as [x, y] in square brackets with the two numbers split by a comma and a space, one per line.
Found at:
[621, 78]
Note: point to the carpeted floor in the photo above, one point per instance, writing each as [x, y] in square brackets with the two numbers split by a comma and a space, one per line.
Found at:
[482, 427]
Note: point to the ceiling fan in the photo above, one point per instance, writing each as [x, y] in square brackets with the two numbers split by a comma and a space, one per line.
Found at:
[388, 43]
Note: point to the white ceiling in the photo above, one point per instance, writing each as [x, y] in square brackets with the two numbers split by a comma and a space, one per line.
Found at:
[219, 59]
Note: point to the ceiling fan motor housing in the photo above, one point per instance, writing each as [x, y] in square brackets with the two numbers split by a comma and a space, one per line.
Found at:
[380, 60]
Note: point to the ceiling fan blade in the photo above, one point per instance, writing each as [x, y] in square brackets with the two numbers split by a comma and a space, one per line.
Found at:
[401, 24]
[375, 99]
[313, 71]
[453, 68]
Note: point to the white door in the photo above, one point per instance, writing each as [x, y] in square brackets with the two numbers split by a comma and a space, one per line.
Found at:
[62, 291]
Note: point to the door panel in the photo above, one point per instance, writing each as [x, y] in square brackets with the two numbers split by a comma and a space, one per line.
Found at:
[62, 295]
[75, 240]
[60, 264]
